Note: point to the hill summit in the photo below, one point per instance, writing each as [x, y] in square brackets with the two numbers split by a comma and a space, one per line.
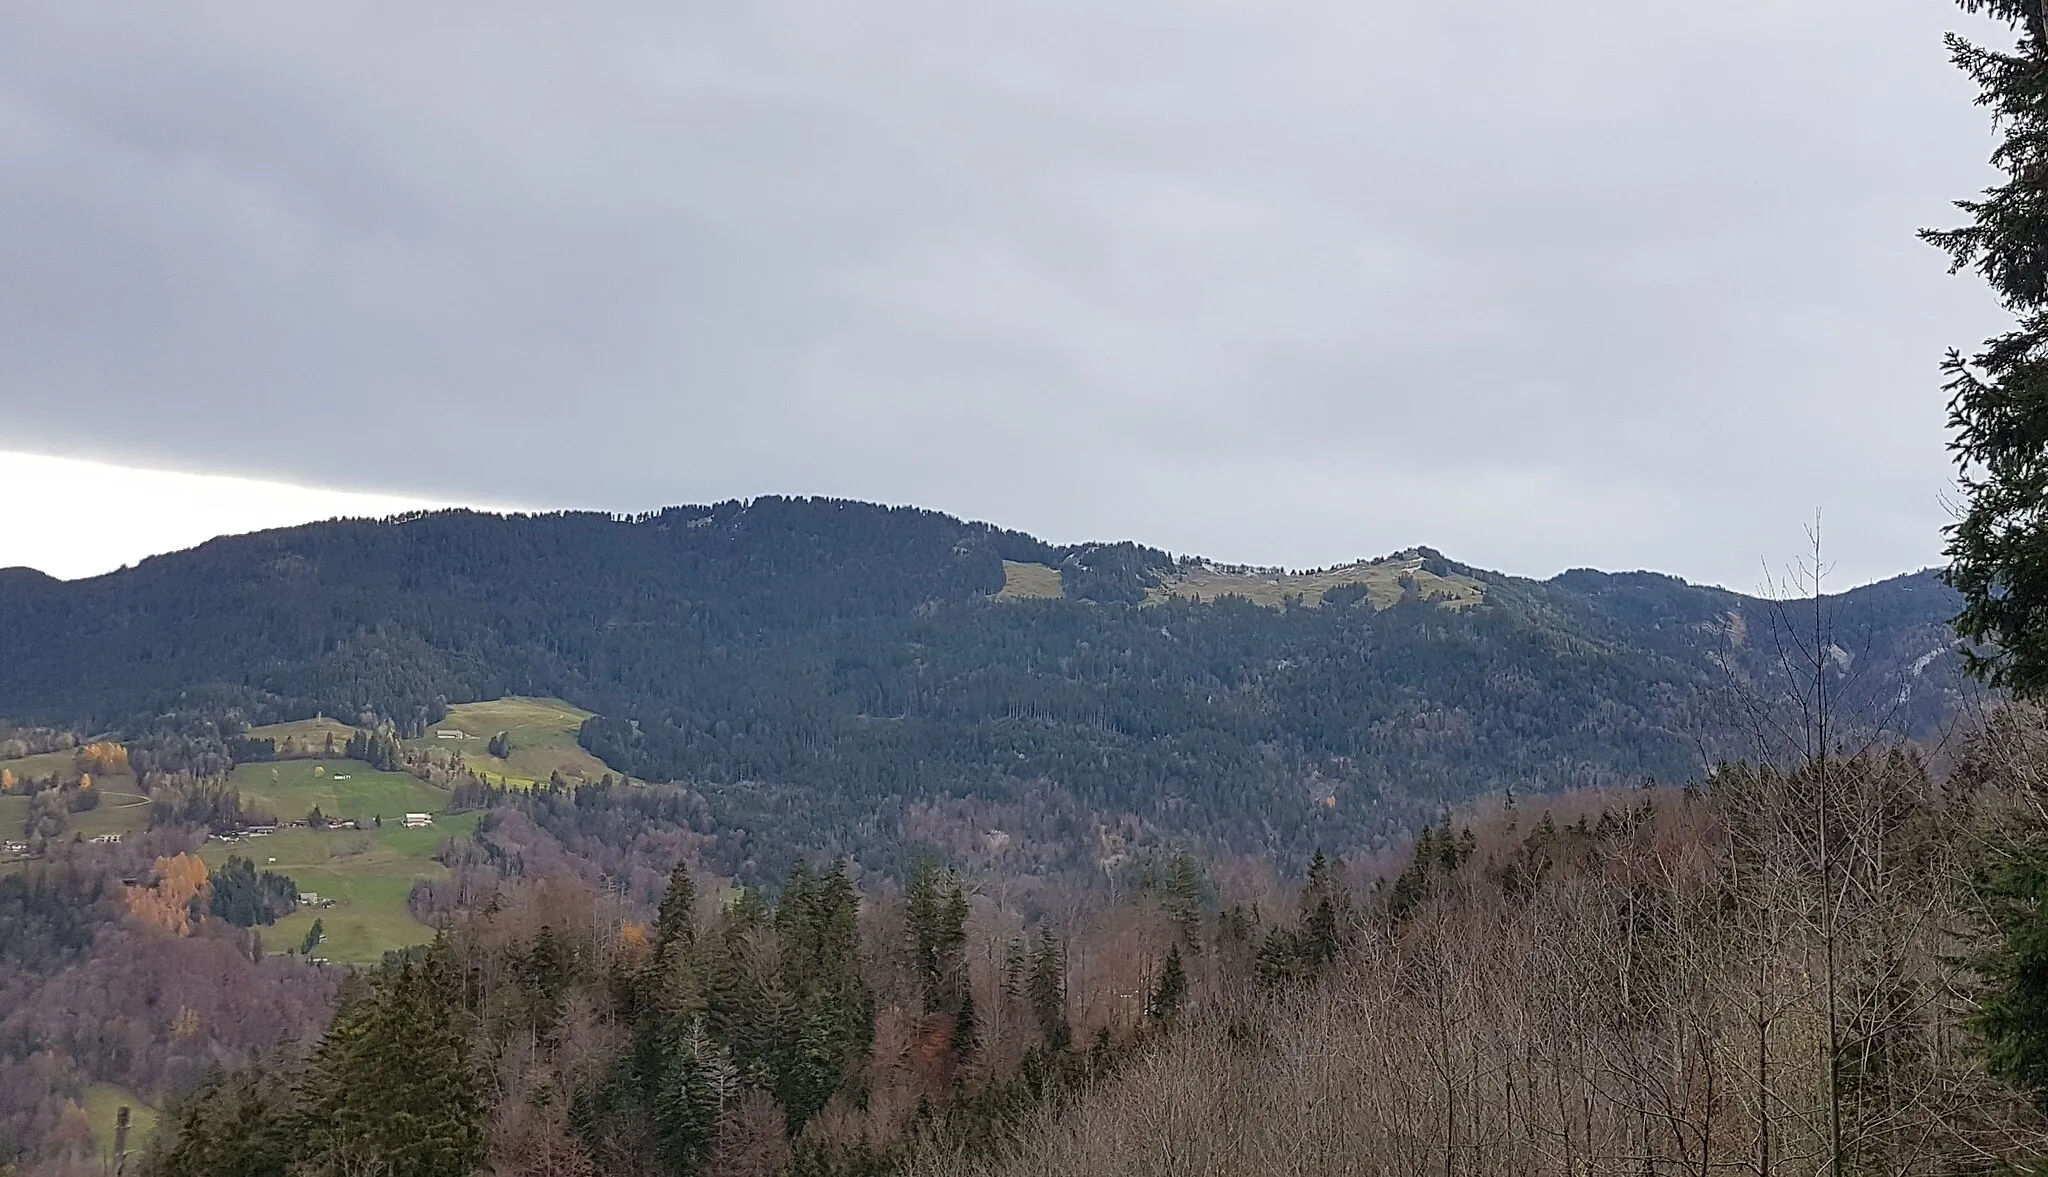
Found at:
[836, 672]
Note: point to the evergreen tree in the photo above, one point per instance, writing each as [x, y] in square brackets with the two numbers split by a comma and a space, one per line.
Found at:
[1279, 961]
[675, 923]
[2012, 1007]
[1322, 904]
[314, 935]
[1998, 406]
[1172, 990]
[696, 1080]
[236, 1126]
[391, 1084]
[1045, 987]
[746, 1009]
[1292, 955]
[545, 971]
[831, 1019]
[966, 1034]
[1184, 898]
[936, 911]
[245, 898]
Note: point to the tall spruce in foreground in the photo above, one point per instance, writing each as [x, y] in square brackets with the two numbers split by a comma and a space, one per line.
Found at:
[1998, 407]
[391, 1088]
[1998, 550]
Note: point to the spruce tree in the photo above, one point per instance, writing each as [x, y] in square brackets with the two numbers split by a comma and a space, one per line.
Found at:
[1998, 397]
[2012, 1005]
[936, 911]
[1998, 550]
[391, 1087]
[1184, 894]
[674, 922]
[236, 1126]
[1324, 905]
[697, 1078]
[828, 1024]
[966, 1034]
[1171, 992]
[1045, 987]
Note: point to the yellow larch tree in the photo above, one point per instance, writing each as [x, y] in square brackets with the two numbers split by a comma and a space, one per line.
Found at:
[167, 903]
[105, 757]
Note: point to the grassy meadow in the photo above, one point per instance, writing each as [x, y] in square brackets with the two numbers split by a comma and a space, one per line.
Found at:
[122, 809]
[542, 732]
[304, 735]
[289, 789]
[42, 764]
[13, 811]
[367, 873]
[102, 1103]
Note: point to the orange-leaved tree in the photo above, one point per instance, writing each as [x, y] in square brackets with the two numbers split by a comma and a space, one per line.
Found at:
[105, 758]
[167, 903]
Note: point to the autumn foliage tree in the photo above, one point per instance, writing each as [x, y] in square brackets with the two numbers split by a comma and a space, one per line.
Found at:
[168, 903]
[104, 758]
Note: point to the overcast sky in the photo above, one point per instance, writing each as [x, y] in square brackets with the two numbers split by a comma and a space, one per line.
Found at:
[1590, 282]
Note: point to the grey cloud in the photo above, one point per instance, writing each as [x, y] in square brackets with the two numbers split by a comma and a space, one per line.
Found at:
[1542, 285]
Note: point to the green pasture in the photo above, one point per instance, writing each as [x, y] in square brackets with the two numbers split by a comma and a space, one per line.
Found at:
[102, 1103]
[289, 789]
[367, 873]
[306, 735]
[122, 810]
[542, 731]
[42, 764]
[13, 812]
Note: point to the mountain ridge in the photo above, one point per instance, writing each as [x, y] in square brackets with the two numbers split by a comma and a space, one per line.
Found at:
[840, 660]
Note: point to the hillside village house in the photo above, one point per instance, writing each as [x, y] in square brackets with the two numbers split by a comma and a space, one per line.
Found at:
[414, 821]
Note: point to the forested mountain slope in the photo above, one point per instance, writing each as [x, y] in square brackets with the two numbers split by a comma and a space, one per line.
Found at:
[813, 663]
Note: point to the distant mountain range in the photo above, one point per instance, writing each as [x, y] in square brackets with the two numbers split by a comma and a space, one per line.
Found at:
[832, 671]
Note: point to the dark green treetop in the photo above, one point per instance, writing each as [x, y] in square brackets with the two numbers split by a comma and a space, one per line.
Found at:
[392, 1084]
[1998, 406]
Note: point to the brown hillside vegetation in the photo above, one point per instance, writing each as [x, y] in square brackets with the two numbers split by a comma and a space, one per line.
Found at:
[1030, 582]
[1765, 976]
[1773, 972]
[1382, 582]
